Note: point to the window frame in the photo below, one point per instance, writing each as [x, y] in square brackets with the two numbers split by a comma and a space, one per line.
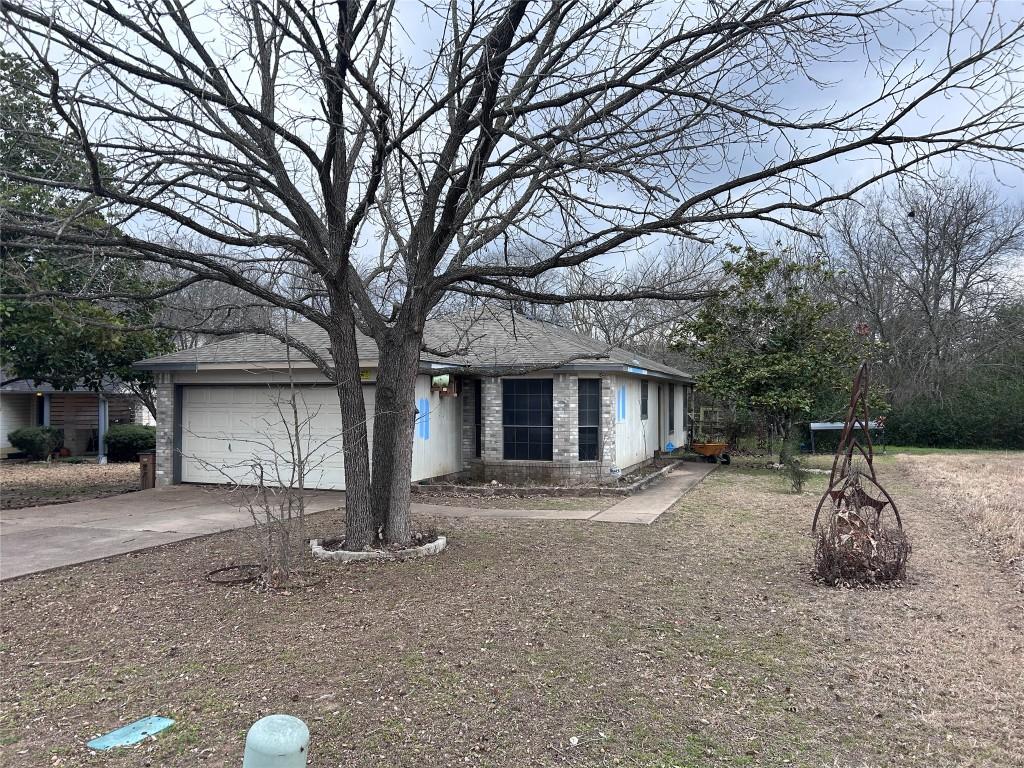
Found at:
[522, 425]
[644, 398]
[584, 423]
[671, 407]
[478, 417]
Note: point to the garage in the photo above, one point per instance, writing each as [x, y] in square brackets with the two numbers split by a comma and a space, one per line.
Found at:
[229, 433]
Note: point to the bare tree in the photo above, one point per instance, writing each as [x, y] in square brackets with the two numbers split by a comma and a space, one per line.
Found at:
[319, 143]
[207, 309]
[643, 323]
[930, 266]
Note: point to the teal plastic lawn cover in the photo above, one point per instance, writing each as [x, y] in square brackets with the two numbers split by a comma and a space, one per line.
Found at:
[131, 734]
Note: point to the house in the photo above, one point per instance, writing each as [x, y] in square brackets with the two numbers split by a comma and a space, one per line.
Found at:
[83, 415]
[498, 397]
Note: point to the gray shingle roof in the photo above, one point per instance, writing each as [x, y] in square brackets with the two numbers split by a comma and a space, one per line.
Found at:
[477, 339]
[110, 387]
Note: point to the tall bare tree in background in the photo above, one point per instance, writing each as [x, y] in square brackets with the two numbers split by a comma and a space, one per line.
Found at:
[318, 143]
[205, 310]
[931, 266]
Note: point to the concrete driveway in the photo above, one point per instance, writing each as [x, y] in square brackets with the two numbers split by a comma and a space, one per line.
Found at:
[39, 538]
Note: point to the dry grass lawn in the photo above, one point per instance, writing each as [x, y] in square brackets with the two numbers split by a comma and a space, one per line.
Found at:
[28, 484]
[697, 641]
[988, 489]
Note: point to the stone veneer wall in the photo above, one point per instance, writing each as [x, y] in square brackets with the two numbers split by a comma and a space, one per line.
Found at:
[165, 421]
[565, 466]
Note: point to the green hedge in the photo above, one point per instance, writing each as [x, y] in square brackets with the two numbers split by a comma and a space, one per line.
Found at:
[36, 442]
[124, 441]
[988, 413]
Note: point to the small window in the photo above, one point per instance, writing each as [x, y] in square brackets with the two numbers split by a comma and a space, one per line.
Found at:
[478, 421]
[671, 407]
[589, 409]
[643, 401]
[527, 419]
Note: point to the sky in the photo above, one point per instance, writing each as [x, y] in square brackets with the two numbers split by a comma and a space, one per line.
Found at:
[846, 80]
[906, 45]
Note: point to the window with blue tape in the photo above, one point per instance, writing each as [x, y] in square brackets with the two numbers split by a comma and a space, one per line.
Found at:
[423, 418]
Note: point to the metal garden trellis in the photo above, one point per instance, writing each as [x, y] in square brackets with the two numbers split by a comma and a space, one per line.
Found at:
[844, 488]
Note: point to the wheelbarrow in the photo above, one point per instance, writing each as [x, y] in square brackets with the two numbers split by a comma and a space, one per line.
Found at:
[712, 452]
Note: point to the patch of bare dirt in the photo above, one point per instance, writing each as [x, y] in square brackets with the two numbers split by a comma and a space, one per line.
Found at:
[29, 484]
[698, 640]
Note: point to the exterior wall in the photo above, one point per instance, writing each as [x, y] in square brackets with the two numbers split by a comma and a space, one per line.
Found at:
[75, 413]
[437, 443]
[636, 439]
[677, 436]
[565, 466]
[448, 445]
[143, 416]
[17, 410]
[78, 415]
[470, 461]
[608, 428]
[491, 421]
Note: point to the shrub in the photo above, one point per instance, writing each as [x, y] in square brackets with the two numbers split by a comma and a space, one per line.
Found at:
[124, 441]
[791, 464]
[36, 442]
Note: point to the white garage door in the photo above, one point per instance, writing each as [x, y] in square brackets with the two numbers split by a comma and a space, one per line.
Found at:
[231, 433]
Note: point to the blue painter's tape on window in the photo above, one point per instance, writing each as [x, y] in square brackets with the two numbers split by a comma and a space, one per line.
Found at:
[131, 734]
[423, 418]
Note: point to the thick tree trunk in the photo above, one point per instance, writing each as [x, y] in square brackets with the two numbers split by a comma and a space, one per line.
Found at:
[359, 527]
[394, 420]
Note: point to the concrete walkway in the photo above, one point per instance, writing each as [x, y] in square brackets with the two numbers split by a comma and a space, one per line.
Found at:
[651, 503]
[37, 539]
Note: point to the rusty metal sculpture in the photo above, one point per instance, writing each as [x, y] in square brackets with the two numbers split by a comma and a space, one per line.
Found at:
[848, 471]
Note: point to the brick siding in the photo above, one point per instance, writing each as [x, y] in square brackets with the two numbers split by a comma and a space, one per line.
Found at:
[565, 466]
[165, 421]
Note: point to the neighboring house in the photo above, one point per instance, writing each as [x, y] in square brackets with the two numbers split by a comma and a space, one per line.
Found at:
[533, 402]
[82, 414]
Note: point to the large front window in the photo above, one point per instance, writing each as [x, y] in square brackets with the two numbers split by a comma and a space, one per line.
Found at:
[526, 419]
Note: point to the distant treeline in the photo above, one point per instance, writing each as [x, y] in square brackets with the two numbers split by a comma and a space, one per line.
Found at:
[934, 269]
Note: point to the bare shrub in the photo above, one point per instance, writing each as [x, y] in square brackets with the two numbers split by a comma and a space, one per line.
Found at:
[278, 516]
[270, 481]
[792, 465]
